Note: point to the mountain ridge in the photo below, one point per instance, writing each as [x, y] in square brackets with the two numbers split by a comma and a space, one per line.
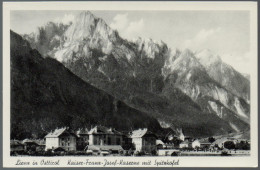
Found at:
[46, 95]
[140, 74]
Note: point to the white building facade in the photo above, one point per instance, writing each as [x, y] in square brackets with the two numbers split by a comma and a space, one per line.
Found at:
[61, 138]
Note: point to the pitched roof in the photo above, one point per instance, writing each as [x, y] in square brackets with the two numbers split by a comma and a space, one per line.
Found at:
[39, 141]
[58, 132]
[15, 142]
[204, 140]
[219, 141]
[138, 133]
[159, 142]
[29, 141]
[103, 130]
[83, 131]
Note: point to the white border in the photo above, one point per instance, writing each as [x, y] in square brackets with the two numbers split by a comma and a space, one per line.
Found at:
[250, 161]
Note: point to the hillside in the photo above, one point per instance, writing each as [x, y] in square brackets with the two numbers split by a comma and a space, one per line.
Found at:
[172, 86]
[46, 95]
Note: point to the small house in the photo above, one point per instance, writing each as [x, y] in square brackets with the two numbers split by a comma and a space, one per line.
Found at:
[195, 144]
[41, 144]
[204, 143]
[168, 152]
[100, 135]
[63, 138]
[185, 144]
[83, 138]
[30, 145]
[160, 144]
[219, 142]
[16, 146]
[144, 140]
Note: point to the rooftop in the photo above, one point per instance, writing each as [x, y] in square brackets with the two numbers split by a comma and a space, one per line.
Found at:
[58, 132]
[15, 142]
[103, 130]
[140, 133]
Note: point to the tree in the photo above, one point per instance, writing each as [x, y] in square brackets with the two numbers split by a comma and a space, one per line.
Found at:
[154, 153]
[211, 139]
[243, 145]
[174, 154]
[229, 145]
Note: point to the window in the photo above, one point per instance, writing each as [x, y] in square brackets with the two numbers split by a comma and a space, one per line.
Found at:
[109, 141]
[68, 144]
[118, 141]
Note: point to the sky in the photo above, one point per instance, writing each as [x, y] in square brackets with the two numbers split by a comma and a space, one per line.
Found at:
[226, 33]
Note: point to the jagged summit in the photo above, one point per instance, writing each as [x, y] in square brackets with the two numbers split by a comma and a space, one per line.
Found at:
[87, 14]
[83, 26]
[186, 60]
[207, 57]
[149, 76]
[87, 32]
[87, 25]
[187, 52]
[148, 40]
[224, 74]
[58, 98]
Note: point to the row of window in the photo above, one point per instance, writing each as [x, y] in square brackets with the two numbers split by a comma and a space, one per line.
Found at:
[68, 139]
[64, 144]
[98, 141]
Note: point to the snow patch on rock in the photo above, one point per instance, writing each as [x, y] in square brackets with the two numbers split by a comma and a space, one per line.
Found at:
[215, 108]
[164, 124]
[239, 109]
[234, 127]
[221, 95]
[207, 57]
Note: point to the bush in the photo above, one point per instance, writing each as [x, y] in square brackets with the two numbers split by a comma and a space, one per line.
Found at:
[141, 153]
[136, 153]
[229, 145]
[48, 153]
[174, 154]
[154, 152]
[121, 152]
[71, 153]
[126, 153]
[243, 145]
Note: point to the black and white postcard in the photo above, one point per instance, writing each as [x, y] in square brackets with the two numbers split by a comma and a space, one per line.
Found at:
[130, 84]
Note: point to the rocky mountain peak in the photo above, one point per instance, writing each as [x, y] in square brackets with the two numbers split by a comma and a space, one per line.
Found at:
[147, 69]
[187, 53]
[207, 57]
[87, 25]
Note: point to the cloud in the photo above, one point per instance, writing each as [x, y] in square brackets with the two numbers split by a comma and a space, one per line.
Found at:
[66, 19]
[201, 38]
[240, 62]
[135, 27]
[215, 39]
[126, 28]
[119, 22]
